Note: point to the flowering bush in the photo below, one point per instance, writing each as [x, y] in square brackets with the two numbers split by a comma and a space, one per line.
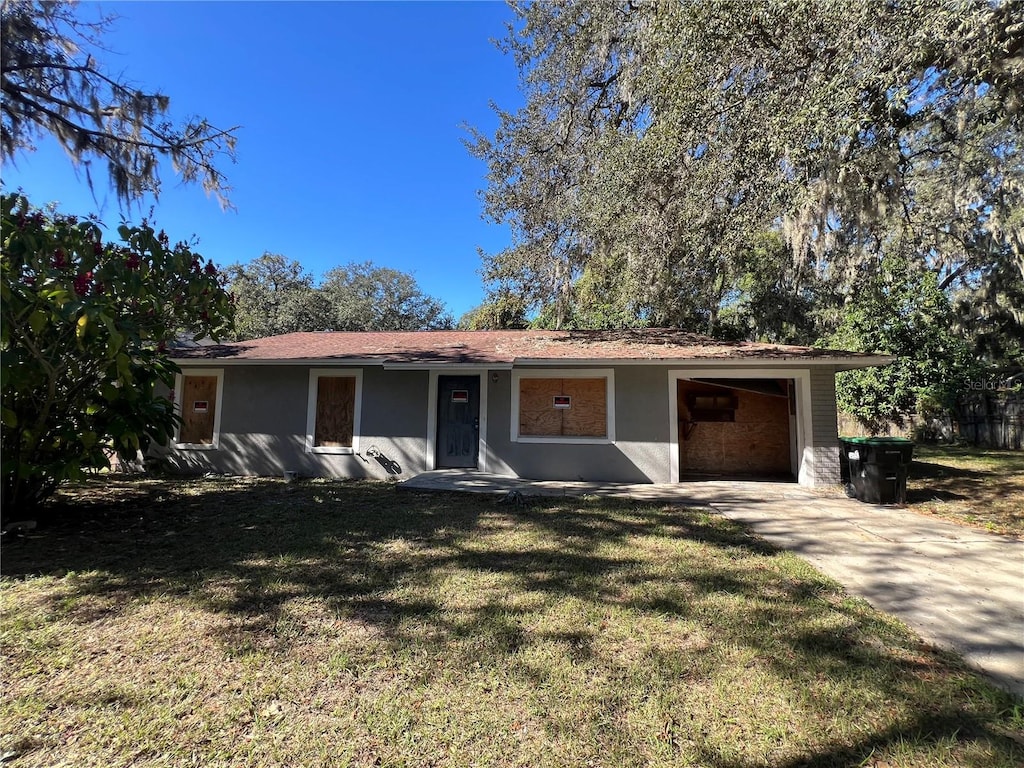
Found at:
[83, 342]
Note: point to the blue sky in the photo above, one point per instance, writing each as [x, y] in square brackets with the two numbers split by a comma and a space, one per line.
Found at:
[350, 146]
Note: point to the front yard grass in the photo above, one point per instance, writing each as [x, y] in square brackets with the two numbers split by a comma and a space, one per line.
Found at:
[234, 622]
[970, 486]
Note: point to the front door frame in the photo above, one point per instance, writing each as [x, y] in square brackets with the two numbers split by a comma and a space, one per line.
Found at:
[801, 378]
[430, 454]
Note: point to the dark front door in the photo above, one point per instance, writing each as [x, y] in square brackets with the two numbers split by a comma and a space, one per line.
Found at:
[458, 421]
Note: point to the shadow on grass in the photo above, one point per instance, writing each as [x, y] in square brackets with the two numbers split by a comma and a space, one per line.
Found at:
[928, 470]
[248, 549]
[932, 728]
[939, 482]
[984, 489]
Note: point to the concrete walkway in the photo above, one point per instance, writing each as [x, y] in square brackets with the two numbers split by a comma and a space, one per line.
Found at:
[958, 588]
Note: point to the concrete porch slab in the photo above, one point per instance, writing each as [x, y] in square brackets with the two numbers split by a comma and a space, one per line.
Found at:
[703, 493]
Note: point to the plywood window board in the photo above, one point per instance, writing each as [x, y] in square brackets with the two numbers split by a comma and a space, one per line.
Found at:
[335, 412]
[198, 409]
[542, 412]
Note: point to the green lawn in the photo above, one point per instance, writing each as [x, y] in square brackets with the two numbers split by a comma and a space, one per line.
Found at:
[228, 622]
[970, 486]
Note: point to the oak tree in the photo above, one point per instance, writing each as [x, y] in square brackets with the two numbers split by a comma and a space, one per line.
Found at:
[54, 84]
[659, 142]
[366, 297]
[273, 294]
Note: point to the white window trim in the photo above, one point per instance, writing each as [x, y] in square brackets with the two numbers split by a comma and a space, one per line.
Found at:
[179, 388]
[315, 374]
[801, 378]
[565, 373]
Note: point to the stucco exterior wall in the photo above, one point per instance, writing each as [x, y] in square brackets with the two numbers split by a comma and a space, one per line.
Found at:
[264, 417]
[638, 455]
[263, 426]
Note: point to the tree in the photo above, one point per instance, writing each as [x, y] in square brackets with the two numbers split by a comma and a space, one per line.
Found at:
[364, 297]
[771, 300]
[53, 84]
[993, 315]
[666, 138]
[83, 342]
[275, 295]
[902, 312]
[499, 312]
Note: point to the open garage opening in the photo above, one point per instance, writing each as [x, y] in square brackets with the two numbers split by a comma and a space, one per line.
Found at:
[744, 428]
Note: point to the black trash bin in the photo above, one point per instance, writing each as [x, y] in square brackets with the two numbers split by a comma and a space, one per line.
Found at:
[876, 468]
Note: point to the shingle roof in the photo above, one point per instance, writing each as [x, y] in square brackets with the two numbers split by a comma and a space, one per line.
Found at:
[508, 347]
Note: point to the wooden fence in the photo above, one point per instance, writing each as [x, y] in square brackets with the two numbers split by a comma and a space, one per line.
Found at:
[992, 417]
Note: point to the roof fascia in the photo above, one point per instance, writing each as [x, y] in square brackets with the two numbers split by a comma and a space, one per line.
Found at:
[435, 365]
[318, 361]
[850, 364]
[841, 363]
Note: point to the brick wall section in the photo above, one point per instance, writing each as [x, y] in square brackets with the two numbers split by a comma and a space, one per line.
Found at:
[756, 443]
[824, 442]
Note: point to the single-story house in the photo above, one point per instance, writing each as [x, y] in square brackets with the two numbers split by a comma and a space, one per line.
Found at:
[641, 406]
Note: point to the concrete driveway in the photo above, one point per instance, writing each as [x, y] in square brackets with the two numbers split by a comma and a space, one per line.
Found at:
[958, 588]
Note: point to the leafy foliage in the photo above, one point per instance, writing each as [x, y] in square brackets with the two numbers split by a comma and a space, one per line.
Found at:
[276, 295]
[364, 297]
[993, 314]
[665, 139]
[83, 342]
[500, 312]
[902, 313]
[769, 300]
[52, 84]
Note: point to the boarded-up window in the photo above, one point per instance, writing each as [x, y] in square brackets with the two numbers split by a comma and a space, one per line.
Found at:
[198, 409]
[335, 412]
[543, 411]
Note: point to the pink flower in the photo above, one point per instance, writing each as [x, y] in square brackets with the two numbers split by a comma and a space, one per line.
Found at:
[82, 283]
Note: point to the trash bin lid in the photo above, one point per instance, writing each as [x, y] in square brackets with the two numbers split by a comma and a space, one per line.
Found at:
[877, 440]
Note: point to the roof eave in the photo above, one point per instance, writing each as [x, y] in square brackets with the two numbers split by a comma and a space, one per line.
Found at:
[839, 362]
[874, 361]
[207, 361]
[491, 365]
